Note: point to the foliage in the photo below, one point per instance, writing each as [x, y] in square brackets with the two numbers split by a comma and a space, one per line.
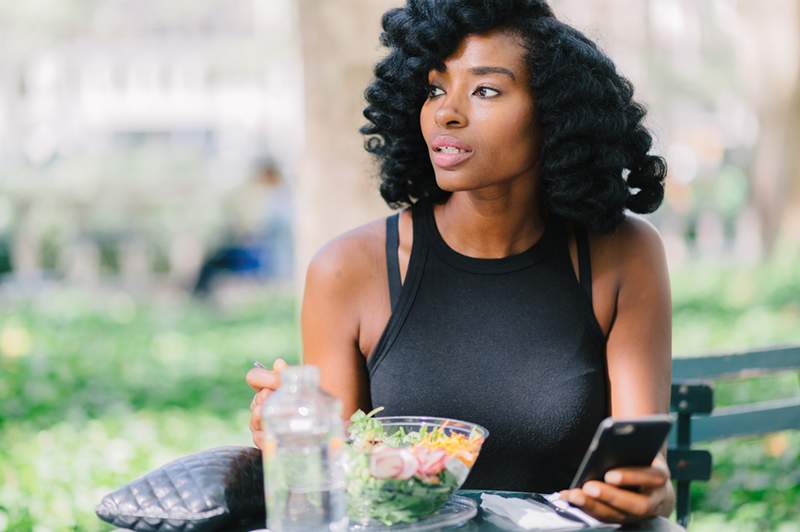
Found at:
[719, 307]
[755, 483]
[96, 389]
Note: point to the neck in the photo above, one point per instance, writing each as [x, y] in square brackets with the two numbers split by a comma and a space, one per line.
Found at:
[493, 222]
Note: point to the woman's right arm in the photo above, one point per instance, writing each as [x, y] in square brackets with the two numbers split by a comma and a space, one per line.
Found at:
[329, 321]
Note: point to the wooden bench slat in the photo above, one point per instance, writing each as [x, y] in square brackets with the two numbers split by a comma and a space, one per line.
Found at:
[745, 420]
[690, 396]
[745, 363]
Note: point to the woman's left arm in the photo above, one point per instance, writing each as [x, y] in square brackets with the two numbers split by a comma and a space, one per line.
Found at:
[639, 360]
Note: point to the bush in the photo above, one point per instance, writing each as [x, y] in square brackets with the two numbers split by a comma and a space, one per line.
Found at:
[97, 389]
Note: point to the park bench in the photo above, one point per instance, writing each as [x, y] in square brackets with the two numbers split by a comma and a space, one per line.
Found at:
[698, 421]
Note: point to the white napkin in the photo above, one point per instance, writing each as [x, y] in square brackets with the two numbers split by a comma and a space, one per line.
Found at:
[529, 514]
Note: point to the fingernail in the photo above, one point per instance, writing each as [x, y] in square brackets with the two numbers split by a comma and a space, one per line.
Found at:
[258, 364]
[613, 477]
[592, 490]
[577, 498]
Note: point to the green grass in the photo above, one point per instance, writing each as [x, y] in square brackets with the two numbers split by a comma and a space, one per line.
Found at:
[96, 390]
[719, 308]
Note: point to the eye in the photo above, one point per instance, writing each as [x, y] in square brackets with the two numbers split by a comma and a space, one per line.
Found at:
[432, 88]
[483, 93]
[480, 90]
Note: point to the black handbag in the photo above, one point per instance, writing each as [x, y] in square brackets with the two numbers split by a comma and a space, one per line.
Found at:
[216, 489]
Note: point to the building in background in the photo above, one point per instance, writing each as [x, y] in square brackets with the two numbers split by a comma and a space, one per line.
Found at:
[123, 124]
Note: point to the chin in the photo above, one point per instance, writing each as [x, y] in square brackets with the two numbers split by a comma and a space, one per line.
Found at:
[454, 181]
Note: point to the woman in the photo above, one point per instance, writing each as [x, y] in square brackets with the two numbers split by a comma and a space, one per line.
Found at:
[512, 289]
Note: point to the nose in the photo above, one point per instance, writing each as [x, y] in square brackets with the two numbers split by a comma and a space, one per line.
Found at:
[448, 115]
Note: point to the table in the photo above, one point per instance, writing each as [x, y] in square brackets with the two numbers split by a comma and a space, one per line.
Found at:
[485, 522]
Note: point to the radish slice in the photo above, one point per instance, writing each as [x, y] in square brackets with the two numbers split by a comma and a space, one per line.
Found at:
[410, 465]
[431, 461]
[390, 462]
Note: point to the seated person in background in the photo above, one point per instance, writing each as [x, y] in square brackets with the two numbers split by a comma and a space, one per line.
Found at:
[258, 240]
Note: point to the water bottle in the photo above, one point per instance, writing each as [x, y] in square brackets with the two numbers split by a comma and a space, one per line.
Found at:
[303, 455]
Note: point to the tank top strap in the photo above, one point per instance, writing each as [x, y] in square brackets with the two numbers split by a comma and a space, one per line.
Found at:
[407, 291]
[584, 259]
[392, 262]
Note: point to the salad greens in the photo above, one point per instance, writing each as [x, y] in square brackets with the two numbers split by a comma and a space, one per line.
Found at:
[403, 476]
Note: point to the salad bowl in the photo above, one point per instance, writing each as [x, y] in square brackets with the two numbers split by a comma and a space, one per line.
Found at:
[401, 469]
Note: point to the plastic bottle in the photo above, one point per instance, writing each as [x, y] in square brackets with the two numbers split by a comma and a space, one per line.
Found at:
[303, 455]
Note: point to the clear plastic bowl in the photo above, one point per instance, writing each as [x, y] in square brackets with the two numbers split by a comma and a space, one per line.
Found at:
[382, 496]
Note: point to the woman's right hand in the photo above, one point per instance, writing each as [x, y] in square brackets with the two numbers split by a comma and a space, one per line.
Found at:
[263, 382]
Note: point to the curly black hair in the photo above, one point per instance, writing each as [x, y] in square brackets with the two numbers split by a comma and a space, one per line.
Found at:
[593, 158]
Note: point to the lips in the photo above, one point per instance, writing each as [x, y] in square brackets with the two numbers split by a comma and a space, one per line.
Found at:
[449, 160]
[442, 141]
[448, 151]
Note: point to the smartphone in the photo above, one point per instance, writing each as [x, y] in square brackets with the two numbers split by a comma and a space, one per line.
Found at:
[629, 442]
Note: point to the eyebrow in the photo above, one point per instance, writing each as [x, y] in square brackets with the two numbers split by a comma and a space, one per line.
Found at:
[483, 70]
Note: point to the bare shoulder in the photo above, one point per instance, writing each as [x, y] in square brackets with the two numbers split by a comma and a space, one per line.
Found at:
[635, 246]
[637, 238]
[346, 261]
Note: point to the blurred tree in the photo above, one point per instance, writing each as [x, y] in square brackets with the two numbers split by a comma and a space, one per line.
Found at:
[792, 214]
[769, 55]
[334, 191]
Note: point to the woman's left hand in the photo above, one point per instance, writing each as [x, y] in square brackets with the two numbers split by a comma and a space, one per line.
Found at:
[609, 501]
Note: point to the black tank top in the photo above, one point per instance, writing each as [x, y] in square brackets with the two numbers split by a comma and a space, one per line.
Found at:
[511, 344]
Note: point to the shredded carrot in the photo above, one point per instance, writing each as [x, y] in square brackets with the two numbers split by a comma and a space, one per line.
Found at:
[454, 444]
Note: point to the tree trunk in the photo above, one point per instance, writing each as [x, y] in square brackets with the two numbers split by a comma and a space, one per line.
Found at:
[335, 189]
[770, 66]
[791, 217]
